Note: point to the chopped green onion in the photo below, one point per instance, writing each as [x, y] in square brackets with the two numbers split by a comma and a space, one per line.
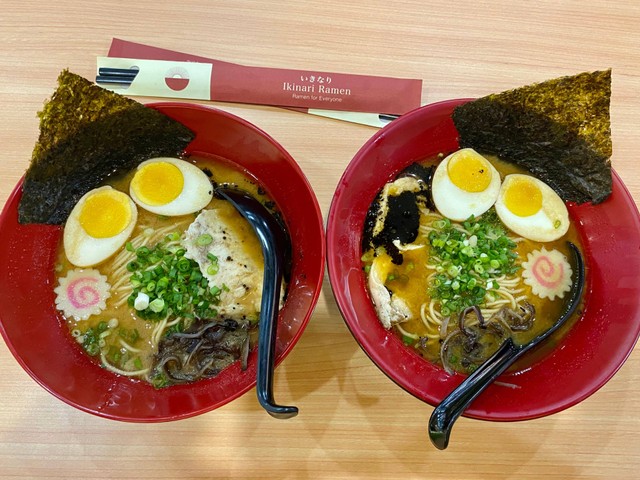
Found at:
[130, 336]
[469, 261]
[156, 305]
[204, 239]
[453, 271]
[184, 265]
[173, 283]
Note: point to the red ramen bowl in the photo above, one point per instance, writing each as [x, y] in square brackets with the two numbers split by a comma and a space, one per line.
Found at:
[39, 339]
[582, 361]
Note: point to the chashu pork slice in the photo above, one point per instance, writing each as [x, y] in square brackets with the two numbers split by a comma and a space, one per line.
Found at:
[222, 233]
[391, 309]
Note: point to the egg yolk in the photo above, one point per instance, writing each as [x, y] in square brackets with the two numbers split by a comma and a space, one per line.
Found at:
[469, 172]
[523, 197]
[105, 214]
[158, 183]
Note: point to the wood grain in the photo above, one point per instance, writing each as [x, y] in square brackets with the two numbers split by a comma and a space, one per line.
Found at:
[354, 422]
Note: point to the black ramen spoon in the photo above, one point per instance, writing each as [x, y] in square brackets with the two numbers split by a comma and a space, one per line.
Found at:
[274, 241]
[445, 414]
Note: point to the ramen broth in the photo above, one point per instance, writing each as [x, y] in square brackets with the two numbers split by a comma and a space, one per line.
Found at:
[119, 319]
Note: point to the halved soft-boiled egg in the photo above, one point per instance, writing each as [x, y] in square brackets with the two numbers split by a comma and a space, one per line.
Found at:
[170, 186]
[464, 184]
[531, 208]
[99, 224]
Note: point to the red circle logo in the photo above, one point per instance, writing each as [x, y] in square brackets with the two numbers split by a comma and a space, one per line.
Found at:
[177, 78]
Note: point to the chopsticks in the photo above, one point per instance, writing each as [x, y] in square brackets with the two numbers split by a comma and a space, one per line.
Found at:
[387, 117]
[116, 76]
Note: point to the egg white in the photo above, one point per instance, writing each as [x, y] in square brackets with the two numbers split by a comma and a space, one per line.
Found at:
[84, 250]
[458, 204]
[196, 193]
[547, 224]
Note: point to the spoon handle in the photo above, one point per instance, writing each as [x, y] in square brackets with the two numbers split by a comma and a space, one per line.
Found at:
[268, 326]
[448, 411]
[267, 347]
[267, 229]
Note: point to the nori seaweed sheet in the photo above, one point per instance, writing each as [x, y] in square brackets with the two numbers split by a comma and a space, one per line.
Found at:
[88, 134]
[558, 130]
[402, 220]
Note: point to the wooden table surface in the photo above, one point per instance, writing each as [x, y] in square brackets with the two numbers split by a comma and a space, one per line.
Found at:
[354, 422]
